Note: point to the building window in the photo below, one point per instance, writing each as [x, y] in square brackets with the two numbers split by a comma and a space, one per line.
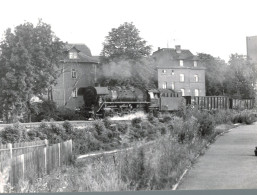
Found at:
[74, 93]
[164, 71]
[164, 85]
[172, 85]
[196, 92]
[172, 72]
[181, 63]
[73, 55]
[183, 92]
[196, 78]
[151, 95]
[195, 63]
[181, 77]
[73, 74]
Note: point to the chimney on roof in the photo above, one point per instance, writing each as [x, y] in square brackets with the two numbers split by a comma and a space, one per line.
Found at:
[178, 48]
[159, 48]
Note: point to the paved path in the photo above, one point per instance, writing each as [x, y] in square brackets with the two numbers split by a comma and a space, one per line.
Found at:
[229, 163]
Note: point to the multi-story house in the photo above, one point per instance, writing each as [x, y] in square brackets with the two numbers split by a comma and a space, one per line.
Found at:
[78, 69]
[178, 70]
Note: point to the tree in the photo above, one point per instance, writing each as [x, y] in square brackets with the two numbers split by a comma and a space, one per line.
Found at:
[28, 64]
[215, 74]
[240, 77]
[124, 43]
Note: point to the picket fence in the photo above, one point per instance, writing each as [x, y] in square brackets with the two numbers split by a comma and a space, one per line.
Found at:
[29, 162]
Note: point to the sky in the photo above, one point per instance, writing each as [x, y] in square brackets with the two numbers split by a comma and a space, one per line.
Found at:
[216, 27]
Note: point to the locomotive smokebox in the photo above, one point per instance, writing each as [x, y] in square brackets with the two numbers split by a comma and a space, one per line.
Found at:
[255, 151]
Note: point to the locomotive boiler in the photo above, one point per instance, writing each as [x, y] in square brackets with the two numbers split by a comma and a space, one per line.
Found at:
[120, 100]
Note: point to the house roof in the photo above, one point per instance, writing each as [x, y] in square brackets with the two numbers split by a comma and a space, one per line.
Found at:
[183, 55]
[84, 54]
[80, 47]
[180, 67]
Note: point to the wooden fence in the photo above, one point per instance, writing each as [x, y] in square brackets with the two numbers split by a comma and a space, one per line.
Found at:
[12, 150]
[219, 102]
[42, 160]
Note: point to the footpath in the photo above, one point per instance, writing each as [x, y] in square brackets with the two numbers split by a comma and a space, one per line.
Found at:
[228, 163]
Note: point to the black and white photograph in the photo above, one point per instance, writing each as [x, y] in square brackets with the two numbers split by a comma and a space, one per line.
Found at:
[128, 95]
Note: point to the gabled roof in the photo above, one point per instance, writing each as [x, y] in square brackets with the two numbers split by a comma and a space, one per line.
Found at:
[183, 55]
[80, 47]
[84, 53]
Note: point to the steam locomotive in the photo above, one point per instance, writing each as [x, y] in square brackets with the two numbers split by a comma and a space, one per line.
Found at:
[108, 101]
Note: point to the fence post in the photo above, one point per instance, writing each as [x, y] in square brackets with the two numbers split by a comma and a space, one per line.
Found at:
[46, 142]
[59, 153]
[23, 166]
[45, 159]
[10, 148]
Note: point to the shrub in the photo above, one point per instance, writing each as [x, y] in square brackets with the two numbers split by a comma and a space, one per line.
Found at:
[99, 127]
[63, 113]
[85, 142]
[185, 131]
[245, 116]
[13, 134]
[167, 119]
[43, 111]
[137, 133]
[34, 135]
[152, 119]
[107, 123]
[136, 122]
[68, 127]
[122, 128]
[222, 116]
[55, 133]
[206, 123]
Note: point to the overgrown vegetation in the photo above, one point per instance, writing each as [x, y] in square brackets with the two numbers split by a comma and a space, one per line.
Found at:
[163, 148]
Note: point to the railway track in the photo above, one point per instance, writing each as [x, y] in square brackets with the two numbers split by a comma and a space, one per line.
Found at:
[78, 124]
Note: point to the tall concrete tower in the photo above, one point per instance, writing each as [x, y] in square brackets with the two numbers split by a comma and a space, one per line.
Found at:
[251, 47]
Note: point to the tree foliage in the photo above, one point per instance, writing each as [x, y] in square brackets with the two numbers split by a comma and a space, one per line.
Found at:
[240, 77]
[30, 55]
[124, 43]
[235, 78]
[214, 77]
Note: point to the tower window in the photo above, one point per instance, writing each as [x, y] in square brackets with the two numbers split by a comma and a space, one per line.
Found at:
[73, 74]
[196, 92]
[181, 77]
[196, 78]
[73, 55]
[164, 85]
[181, 63]
[172, 85]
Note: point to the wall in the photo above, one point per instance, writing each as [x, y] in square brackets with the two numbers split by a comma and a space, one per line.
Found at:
[189, 84]
[62, 92]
